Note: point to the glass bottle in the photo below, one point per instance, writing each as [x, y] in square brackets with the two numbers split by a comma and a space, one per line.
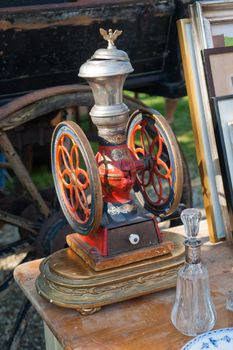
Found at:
[193, 311]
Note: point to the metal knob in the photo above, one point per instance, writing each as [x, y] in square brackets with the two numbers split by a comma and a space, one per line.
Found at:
[134, 238]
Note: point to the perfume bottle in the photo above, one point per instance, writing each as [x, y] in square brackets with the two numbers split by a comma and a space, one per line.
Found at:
[193, 311]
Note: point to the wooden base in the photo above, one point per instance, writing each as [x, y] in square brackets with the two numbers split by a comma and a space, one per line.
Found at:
[66, 280]
[100, 263]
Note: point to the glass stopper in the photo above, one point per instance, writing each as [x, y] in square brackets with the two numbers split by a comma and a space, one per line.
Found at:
[191, 219]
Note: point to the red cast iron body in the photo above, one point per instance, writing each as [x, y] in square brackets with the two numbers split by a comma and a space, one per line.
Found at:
[117, 169]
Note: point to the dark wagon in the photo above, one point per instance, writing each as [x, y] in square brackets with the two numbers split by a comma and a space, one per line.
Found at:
[42, 45]
[44, 42]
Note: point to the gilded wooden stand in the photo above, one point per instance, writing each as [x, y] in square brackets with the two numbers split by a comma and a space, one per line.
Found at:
[100, 263]
[66, 280]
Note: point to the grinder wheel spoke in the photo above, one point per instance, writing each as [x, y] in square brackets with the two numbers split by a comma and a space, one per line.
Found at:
[158, 186]
[76, 178]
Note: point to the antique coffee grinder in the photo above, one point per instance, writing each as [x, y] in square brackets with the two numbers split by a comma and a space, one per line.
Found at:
[115, 199]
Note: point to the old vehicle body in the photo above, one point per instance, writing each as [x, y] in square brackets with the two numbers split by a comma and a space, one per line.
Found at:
[44, 42]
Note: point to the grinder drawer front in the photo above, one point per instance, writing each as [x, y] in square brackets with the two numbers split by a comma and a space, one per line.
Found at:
[131, 237]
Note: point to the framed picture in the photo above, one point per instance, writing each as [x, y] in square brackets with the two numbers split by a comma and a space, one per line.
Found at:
[205, 142]
[213, 21]
[221, 32]
[218, 63]
[223, 125]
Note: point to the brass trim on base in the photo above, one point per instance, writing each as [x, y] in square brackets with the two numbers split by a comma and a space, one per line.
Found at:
[100, 263]
[66, 280]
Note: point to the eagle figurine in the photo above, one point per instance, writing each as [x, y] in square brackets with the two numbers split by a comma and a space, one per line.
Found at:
[109, 36]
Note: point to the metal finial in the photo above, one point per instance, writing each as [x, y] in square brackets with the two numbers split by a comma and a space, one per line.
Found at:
[109, 36]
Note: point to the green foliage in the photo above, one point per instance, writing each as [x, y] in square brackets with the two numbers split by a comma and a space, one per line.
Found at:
[42, 177]
[182, 128]
[228, 41]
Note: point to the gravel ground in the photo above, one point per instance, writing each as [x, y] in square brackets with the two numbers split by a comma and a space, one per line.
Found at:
[33, 336]
[12, 300]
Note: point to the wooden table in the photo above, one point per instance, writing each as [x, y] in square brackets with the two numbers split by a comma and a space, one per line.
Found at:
[142, 323]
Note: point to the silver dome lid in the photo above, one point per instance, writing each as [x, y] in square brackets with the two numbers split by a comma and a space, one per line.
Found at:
[107, 62]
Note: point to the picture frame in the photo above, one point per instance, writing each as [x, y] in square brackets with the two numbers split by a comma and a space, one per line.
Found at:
[222, 108]
[206, 149]
[219, 81]
[213, 21]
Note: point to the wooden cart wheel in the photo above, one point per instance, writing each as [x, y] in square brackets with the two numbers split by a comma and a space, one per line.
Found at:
[159, 185]
[76, 178]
